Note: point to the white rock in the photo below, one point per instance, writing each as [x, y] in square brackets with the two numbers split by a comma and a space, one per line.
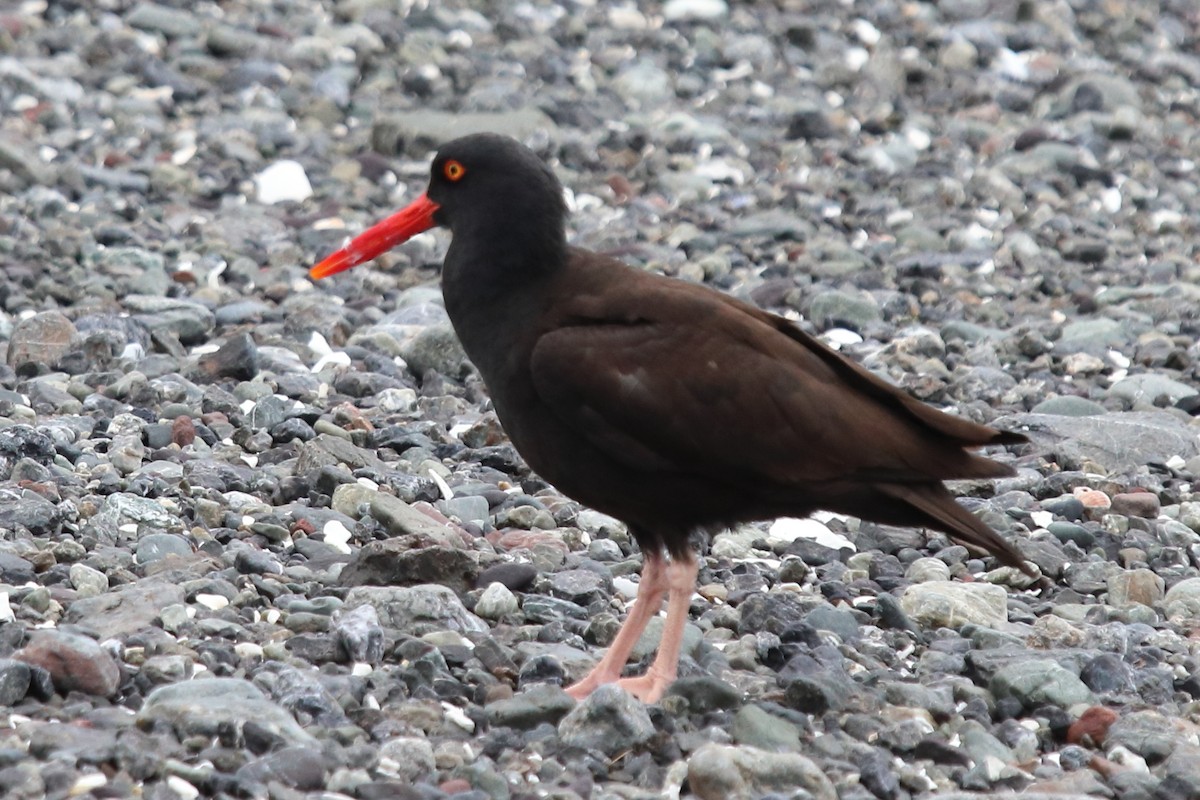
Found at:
[679, 10]
[337, 536]
[284, 181]
[215, 602]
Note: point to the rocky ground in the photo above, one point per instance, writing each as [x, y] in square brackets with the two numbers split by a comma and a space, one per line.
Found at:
[263, 538]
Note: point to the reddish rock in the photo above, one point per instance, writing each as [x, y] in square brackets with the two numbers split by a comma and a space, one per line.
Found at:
[183, 431]
[1092, 498]
[1136, 504]
[517, 539]
[75, 662]
[1092, 726]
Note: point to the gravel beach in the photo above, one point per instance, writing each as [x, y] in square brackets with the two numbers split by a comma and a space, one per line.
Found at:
[264, 538]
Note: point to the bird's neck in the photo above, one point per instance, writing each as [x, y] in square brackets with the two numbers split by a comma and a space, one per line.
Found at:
[495, 294]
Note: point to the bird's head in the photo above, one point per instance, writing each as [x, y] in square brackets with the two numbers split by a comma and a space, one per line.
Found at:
[485, 182]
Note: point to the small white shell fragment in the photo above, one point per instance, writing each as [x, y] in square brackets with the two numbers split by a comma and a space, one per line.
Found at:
[283, 181]
[84, 784]
[182, 788]
[456, 715]
[248, 650]
[1041, 518]
[337, 536]
[443, 487]
[214, 602]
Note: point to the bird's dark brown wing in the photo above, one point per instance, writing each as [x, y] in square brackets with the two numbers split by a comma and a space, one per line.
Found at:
[676, 377]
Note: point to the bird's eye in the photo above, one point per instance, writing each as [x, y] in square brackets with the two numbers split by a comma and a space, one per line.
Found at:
[454, 170]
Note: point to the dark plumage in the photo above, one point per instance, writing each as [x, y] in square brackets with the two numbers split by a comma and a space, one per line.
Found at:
[666, 404]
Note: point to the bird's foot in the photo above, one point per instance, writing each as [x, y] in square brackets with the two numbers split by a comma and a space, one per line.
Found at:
[590, 683]
[648, 688]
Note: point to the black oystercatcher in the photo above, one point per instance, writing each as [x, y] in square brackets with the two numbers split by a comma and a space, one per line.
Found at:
[666, 404]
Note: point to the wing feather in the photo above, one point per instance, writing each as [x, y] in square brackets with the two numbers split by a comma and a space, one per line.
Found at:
[680, 383]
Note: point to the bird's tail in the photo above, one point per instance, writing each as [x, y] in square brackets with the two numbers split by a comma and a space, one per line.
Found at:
[936, 508]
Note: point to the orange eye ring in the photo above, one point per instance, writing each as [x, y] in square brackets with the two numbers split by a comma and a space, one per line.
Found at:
[453, 170]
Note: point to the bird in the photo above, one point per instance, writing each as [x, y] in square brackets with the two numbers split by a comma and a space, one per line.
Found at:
[669, 405]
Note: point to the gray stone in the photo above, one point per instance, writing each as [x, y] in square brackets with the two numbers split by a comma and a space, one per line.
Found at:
[155, 546]
[123, 509]
[705, 693]
[836, 309]
[408, 560]
[1150, 734]
[1135, 587]
[417, 610]
[927, 569]
[207, 705]
[1039, 682]
[1114, 441]
[540, 703]
[399, 518]
[40, 341]
[758, 728]
[124, 611]
[25, 508]
[171, 22]
[436, 348]
[301, 768]
[945, 604]
[609, 720]
[88, 581]
[723, 772]
[647, 643]
[1069, 406]
[326, 450]
[1183, 599]
[1151, 389]
[15, 678]
[836, 620]
[1094, 336]
[407, 758]
[417, 130]
[496, 601]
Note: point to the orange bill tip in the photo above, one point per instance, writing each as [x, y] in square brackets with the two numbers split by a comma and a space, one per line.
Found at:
[406, 223]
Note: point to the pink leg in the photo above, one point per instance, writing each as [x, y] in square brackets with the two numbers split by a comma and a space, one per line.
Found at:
[649, 600]
[681, 582]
